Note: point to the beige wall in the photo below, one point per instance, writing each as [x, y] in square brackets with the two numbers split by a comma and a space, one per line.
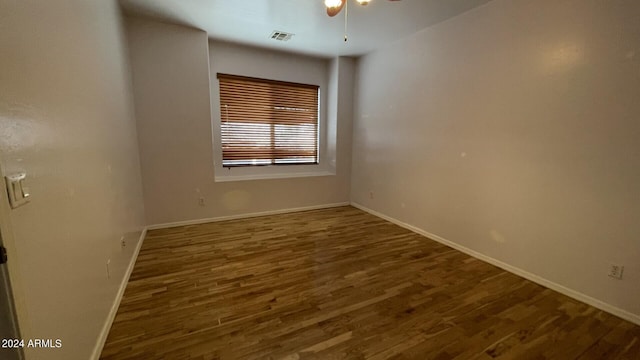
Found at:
[173, 109]
[513, 130]
[66, 119]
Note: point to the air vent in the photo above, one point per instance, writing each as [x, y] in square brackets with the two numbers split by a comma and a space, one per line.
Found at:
[281, 36]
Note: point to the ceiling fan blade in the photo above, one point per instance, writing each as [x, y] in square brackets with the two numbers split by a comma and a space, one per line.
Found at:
[333, 11]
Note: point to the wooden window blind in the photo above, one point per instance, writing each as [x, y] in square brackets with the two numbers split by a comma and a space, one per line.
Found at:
[267, 122]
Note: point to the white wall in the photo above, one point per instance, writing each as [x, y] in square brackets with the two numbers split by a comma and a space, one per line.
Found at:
[513, 130]
[173, 109]
[345, 97]
[66, 119]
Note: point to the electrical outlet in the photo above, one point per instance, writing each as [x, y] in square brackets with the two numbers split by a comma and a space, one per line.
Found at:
[201, 201]
[370, 194]
[123, 242]
[108, 273]
[615, 271]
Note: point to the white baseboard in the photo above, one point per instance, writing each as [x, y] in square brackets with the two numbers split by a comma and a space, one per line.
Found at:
[244, 216]
[634, 318]
[102, 338]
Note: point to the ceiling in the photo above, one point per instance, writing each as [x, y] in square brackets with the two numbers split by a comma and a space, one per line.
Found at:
[251, 22]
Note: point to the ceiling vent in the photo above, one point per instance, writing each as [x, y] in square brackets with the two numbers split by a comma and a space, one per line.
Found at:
[281, 36]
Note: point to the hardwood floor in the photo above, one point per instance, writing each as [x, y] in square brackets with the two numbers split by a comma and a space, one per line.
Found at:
[342, 284]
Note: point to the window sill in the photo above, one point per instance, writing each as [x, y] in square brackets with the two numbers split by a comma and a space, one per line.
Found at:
[227, 178]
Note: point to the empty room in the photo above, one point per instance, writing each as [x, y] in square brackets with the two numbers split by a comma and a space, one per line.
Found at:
[319, 179]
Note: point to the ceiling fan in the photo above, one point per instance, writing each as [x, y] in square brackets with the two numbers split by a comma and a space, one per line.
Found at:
[335, 6]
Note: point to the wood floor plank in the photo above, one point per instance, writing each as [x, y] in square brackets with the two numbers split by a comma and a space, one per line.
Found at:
[342, 284]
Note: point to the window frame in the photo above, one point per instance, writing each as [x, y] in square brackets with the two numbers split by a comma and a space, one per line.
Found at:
[272, 160]
[326, 161]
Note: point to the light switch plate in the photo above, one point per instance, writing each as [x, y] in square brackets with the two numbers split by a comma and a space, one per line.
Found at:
[18, 195]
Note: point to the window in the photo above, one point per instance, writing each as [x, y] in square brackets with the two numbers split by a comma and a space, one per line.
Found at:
[267, 122]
